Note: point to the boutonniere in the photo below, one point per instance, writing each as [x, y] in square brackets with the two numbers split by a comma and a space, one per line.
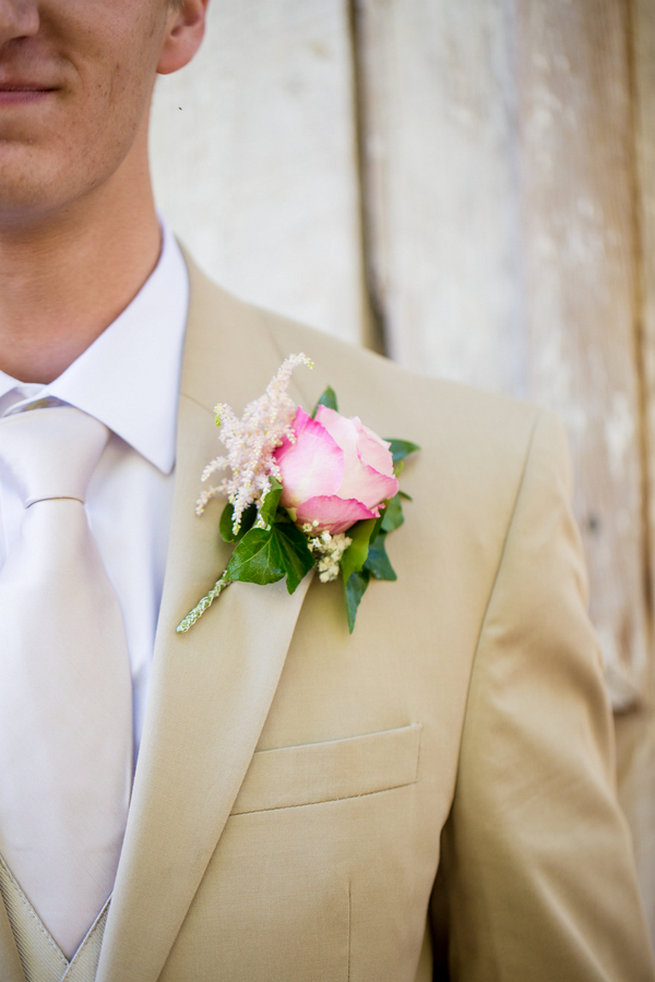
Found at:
[302, 492]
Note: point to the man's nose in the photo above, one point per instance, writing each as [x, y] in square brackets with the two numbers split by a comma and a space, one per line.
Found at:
[18, 18]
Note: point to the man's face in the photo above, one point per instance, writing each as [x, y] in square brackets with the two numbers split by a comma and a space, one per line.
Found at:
[76, 78]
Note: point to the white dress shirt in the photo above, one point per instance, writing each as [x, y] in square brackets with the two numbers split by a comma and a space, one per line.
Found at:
[129, 380]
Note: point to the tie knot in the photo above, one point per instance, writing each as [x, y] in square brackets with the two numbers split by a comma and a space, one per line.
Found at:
[51, 453]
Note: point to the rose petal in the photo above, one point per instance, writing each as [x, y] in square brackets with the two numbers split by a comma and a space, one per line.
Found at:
[340, 428]
[333, 514]
[367, 485]
[360, 481]
[311, 465]
[373, 450]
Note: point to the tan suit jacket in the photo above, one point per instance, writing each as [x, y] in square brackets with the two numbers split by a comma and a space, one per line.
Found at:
[299, 789]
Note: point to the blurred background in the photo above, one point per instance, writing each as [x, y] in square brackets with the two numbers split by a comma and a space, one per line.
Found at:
[469, 188]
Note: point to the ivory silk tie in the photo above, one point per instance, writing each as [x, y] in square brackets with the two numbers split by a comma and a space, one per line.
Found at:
[65, 687]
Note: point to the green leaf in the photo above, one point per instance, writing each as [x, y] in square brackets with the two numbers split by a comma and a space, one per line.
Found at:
[227, 518]
[354, 589]
[266, 555]
[225, 524]
[355, 555]
[401, 449]
[297, 557]
[392, 516]
[377, 562]
[256, 559]
[327, 398]
[271, 501]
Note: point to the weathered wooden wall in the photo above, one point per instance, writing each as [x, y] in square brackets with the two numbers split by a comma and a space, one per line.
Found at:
[253, 151]
[469, 186]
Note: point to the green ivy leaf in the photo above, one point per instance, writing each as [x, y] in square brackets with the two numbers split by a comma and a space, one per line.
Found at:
[327, 398]
[355, 555]
[256, 559]
[225, 524]
[392, 516]
[401, 449]
[271, 501]
[377, 562]
[227, 518]
[266, 555]
[354, 589]
[297, 557]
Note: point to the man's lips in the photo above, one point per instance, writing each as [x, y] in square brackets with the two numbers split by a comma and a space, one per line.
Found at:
[21, 92]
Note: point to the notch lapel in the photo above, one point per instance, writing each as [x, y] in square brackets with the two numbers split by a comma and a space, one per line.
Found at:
[211, 689]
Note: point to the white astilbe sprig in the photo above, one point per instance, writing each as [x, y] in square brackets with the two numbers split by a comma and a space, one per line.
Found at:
[250, 443]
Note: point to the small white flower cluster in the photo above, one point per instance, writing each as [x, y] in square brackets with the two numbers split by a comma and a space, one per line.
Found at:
[251, 442]
[330, 548]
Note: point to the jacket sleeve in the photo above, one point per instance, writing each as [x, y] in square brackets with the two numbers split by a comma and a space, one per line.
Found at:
[537, 872]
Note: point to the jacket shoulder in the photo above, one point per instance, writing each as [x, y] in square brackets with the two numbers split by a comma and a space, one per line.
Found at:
[366, 381]
[480, 440]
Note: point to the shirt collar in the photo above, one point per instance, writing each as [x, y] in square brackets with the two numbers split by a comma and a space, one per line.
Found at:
[129, 377]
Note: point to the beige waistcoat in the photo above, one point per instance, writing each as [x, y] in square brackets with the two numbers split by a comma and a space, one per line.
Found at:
[40, 955]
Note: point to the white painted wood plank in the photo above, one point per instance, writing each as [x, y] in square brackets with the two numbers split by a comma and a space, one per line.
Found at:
[253, 155]
[578, 171]
[442, 203]
[499, 166]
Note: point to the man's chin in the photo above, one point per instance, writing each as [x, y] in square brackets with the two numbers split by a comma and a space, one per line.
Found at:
[24, 208]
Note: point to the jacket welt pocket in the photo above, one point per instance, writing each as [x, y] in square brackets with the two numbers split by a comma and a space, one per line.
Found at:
[330, 770]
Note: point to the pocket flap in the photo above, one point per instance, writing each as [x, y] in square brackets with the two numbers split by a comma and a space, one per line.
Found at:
[327, 771]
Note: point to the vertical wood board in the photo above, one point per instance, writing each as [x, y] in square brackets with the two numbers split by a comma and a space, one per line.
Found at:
[577, 151]
[643, 47]
[636, 736]
[253, 155]
[498, 170]
[441, 179]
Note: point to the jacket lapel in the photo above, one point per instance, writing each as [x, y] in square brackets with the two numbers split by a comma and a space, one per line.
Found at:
[11, 969]
[211, 689]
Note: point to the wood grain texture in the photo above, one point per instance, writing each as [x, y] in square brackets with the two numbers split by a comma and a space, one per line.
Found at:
[581, 275]
[643, 58]
[636, 731]
[253, 152]
[500, 187]
[441, 186]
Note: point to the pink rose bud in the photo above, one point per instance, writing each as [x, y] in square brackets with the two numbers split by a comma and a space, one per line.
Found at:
[335, 473]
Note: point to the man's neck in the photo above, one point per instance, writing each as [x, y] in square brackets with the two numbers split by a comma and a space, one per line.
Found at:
[65, 280]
